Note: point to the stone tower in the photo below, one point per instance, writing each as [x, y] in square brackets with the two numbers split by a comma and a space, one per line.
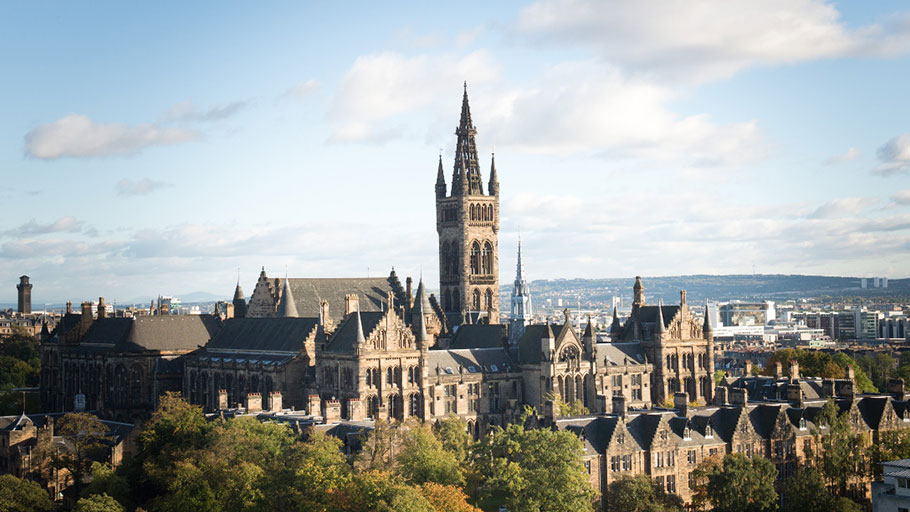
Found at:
[239, 302]
[467, 221]
[25, 295]
[521, 303]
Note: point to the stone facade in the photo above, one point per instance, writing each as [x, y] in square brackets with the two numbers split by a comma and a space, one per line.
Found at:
[467, 221]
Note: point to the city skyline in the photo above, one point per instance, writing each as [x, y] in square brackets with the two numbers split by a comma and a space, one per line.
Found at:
[157, 151]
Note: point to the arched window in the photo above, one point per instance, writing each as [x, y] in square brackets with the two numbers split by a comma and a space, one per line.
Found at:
[446, 257]
[414, 404]
[476, 302]
[475, 258]
[488, 300]
[397, 376]
[487, 258]
[389, 379]
[372, 406]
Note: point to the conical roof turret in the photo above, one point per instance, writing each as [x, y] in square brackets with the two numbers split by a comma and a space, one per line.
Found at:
[421, 327]
[589, 330]
[360, 338]
[615, 327]
[238, 292]
[440, 180]
[706, 328]
[286, 306]
[421, 300]
[659, 325]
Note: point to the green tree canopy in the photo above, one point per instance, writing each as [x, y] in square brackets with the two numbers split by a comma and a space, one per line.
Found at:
[530, 470]
[88, 442]
[640, 494]
[820, 364]
[453, 433]
[422, 458]
[98, 503]
[741, 484]
[18, 495]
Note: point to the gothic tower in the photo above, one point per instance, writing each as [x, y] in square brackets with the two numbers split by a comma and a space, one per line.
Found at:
[25, 295]
[521, 303]
[467, 221]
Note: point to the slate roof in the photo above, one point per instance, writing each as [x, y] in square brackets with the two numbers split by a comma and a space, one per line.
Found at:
[344, 339]
[308, 292]
[529, 343]
[263, 334]
[166, 332]
[478, 336]
[492, 360]
[595, 432]
[646, 317]
[619, 354]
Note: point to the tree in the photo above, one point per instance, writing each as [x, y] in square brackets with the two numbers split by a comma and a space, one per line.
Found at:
[805, 492]
[453, 434]
[382, 492]
[535, 469]
[446, 498]
[105, 481]
[18, 495]
[841, 457]
[317, 469]
[640, 494]
[741, 484]
[378, 447]
[87, 442]
[422, 458]
[892, 445]
[563, 408]
[98, 503]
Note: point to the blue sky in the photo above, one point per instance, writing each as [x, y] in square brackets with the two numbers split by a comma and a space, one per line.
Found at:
[158, 148]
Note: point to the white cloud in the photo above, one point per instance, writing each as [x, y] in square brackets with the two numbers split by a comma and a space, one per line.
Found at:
[901, 197]
[302, 90]
[581, 108]
[851, 154]
[843, 207]
[141, 187]
[61, 225]
[699, 41]
[894, 156]
[186, 111]
[385, 85]
[77, 136]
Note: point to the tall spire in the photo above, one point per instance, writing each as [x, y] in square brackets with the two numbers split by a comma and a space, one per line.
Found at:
[440, 179]
[421, 333]
[286, 306]
[466, 153]
[493, 187]
[615, 327]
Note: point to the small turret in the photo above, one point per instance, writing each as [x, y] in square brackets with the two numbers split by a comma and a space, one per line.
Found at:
[360, 338]
[286, 306]
[706, 328]
[493, 186]
[239, 302]
[547, 343]
[589, 338]
[440, 180]
[615, 327]
[659, 324]
[638, 293]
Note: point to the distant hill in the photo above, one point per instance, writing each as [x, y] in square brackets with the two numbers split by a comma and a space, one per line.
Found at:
[713, 287]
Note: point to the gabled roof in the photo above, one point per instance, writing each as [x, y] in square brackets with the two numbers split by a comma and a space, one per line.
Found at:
[478, 360]
[478, 336]
[263, 334]
[529, 343]
[308, 292]
[620, 354]
[166, 332]
[344, 340]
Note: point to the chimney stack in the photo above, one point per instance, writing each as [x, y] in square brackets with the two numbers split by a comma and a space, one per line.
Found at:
[102, 309]
[739, 396]
[619, 406]
[778, 370]
[720, 395]
[794, 370]
[747, 368]
[681, 403]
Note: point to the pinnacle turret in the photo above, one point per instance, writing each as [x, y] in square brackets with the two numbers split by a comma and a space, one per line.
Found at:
[493, 186]
[360, 338]
[659, 325]
[440, 180]
[706, 328]
[286, 306]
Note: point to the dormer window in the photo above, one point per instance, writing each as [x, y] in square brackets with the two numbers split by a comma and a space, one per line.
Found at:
[802, 423]
[709, 432]
[687, 433]
[621, 439]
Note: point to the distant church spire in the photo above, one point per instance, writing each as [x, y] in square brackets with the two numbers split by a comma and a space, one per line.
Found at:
[466, 153]
[521, 302]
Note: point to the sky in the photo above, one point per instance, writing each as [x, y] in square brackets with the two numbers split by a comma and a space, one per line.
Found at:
[170, 147]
